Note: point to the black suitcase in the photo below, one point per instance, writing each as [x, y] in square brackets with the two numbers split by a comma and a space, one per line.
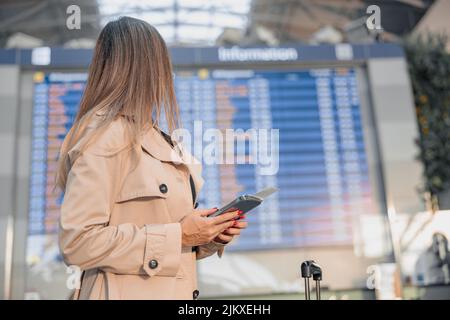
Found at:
[310, 268]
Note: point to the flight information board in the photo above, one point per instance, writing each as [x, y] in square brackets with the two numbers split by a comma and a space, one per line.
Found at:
[322, 172]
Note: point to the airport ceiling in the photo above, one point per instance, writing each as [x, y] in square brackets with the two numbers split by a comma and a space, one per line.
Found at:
[46, 20]
[43, 22]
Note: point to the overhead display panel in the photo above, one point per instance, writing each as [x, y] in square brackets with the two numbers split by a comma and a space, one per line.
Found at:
[321, 169]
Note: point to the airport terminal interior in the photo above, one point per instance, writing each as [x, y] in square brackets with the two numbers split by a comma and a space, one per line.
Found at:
[355, 94]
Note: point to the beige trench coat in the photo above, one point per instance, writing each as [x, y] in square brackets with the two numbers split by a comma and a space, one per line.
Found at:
[122, 225]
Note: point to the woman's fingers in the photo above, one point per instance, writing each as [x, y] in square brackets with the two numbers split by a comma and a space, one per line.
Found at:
[225, 238]
[223, 227]
[232, 231]
[240, 224]
[205, 212]
[225, 217]
[220, 228]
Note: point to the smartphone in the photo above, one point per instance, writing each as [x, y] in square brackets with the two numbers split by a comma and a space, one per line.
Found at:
[245, 203]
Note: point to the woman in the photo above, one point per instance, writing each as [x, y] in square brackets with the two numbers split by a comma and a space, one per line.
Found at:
[128, 218]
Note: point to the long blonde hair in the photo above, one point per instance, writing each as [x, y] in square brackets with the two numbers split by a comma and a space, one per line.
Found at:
[130, 75]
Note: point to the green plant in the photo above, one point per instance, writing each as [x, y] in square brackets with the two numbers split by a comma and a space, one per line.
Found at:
[429, 67]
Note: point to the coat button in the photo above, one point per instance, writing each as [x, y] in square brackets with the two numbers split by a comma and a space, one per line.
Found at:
[153, 264]
[163, 188]
[195, 294]
[196, 205]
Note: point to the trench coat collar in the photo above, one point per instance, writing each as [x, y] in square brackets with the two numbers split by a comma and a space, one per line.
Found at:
[155, 144]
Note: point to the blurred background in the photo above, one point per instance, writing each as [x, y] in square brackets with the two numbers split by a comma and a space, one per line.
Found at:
[358, 89]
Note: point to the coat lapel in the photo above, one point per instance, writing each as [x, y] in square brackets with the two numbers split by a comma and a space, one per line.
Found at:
[154, 143]
[195, 169]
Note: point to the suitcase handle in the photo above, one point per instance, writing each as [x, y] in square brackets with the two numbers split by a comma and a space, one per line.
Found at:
[310, 268]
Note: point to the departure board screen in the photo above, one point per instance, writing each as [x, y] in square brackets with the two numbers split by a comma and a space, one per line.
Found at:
[321, 166]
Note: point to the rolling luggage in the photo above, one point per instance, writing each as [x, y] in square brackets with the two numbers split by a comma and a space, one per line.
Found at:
[310, 268]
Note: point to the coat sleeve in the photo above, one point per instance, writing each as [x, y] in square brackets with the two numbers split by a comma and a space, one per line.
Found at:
[88, 241]
[209, 249]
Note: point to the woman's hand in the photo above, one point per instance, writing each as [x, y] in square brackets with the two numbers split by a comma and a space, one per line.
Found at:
[233, 231]
[198, 229]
